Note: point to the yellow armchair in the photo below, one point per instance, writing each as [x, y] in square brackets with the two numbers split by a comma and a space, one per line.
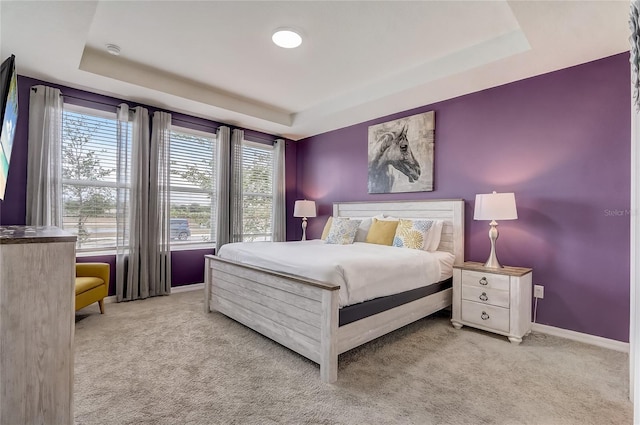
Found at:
[92, 284]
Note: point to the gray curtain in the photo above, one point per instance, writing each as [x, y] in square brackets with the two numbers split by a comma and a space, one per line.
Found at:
[634, 23]
[132, 255]
[159, 249]
[279, 220]
[44, 161]
[123, 192]
[235, 186]
[222, 221]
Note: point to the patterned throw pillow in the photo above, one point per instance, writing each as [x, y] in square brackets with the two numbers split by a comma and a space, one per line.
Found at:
[412, 233]
[343, 231]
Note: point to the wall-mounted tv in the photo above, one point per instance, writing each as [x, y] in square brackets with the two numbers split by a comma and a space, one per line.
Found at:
[9, 117]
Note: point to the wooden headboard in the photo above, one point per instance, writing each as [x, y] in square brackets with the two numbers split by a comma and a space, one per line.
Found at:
[451, 211]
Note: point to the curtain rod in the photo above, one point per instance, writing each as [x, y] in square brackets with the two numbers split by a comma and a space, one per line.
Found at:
[260, 139]
[35, 89]
[118, 106]
[215, 127]
[131, 109]
[250, 136]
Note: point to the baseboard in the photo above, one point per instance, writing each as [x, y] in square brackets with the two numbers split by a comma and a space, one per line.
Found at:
[599, 341]
[174, 290]
[187, 288]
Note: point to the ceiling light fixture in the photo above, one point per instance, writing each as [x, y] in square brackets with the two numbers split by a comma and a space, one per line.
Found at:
[113, 49]
[286, 38]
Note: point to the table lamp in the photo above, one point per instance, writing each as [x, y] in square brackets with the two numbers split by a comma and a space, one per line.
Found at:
[495, 206]
[304, 209]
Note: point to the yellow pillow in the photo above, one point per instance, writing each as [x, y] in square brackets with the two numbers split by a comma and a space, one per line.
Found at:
[327, 227]
[382, 232]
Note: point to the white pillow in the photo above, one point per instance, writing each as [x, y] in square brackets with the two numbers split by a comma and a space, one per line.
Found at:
[363, 229]
[434, 235]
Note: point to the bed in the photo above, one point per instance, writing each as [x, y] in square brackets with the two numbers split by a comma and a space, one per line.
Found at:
[304, 314]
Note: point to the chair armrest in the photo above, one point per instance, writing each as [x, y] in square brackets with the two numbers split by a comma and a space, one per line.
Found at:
[100, 270]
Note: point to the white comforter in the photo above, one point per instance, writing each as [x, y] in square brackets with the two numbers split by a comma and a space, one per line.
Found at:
[364, 271]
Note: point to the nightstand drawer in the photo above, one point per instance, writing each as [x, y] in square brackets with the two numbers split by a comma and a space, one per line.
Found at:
[489, 296]
[485, 280]
[486, 315]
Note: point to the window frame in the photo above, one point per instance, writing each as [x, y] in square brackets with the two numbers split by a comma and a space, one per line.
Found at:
[101, 114]
[213, 193]
[271, 149]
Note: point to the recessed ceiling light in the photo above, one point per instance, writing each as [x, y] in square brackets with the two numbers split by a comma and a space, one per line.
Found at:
[286, 38]
[113, 49]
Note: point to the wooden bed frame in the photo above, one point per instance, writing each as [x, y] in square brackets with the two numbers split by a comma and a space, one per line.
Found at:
[302, 314]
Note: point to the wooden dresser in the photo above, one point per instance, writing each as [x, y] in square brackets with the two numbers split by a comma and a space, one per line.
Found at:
[37, 278]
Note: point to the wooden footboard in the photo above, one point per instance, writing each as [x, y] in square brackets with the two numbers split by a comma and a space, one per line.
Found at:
[301, 314]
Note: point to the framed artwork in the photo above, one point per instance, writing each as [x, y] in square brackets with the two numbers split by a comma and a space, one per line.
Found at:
[401, 154]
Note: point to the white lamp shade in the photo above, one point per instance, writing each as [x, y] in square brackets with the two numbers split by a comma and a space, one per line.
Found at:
[304, 209]
[495, 206]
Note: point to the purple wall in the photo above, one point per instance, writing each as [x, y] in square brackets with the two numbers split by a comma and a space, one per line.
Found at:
[561, 142]
[186, 266]
[111, 260]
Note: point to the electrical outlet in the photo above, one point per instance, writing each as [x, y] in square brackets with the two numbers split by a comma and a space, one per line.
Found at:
[538, 291]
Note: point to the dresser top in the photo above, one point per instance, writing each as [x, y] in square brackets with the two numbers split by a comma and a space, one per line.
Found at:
[34, 234]
[479, 267]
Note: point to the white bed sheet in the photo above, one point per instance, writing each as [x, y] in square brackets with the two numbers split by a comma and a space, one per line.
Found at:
[364, 271]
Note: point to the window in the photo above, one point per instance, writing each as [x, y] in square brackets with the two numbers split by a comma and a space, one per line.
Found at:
[192, 191]
[90, 185]
[257, 191]
[89, 165]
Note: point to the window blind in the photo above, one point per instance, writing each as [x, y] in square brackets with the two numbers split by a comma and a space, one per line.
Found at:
[192, 191]
[89, 148]
[257, 187]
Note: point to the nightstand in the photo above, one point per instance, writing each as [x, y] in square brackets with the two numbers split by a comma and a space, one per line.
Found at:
[494, 300]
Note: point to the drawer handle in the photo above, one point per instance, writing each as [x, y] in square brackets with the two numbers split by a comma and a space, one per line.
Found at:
[483, 281]
[483, 296]
[484, 316]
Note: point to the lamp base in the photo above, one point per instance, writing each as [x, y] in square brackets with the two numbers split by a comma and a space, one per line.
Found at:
[304, 228]
[492, 262]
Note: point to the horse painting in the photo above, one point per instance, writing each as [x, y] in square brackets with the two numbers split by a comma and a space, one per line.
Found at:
[393, 166]
[394, 151]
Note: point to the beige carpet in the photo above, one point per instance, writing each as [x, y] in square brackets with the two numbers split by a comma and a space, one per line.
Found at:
[164, 361]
